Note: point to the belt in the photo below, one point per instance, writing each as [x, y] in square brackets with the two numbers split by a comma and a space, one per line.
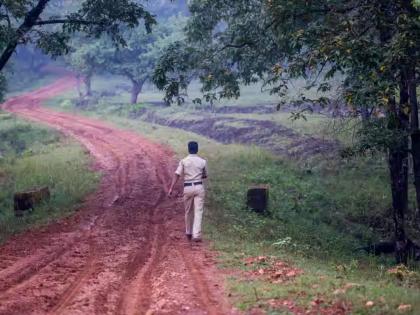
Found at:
[193, 184]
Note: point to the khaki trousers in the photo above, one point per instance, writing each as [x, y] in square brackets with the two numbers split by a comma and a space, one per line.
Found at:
[194, 208]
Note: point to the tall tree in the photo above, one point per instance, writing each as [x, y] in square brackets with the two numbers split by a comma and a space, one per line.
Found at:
[87, 59]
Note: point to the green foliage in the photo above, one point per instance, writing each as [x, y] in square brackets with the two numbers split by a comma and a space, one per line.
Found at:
[376, 135]
[138, 60]
[86, 57]
[229, 44]
[91, 17]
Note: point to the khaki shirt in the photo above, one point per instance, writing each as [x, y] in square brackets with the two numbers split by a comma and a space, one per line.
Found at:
[193, 168]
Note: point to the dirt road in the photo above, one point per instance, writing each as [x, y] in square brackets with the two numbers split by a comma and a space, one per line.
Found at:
[124, 252]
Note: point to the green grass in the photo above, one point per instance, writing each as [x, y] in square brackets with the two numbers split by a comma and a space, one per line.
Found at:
[34, 156]
[309, 223]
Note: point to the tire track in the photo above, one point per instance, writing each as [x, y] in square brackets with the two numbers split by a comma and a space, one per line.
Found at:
[77, 283]
[116, 264]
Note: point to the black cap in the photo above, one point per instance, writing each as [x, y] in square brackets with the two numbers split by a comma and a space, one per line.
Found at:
[192, 147]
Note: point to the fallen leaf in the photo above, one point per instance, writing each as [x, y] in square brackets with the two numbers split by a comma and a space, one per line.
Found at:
[291, 273]
[317, 302]
[404, 308]
[339, 291]
[351, 285]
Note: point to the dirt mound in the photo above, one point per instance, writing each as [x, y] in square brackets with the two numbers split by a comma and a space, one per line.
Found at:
[124, 252]
[259, 109]
[266, 134]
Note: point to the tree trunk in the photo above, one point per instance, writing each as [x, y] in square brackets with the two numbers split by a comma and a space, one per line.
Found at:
[365, 114]
[25, 27]
[415, 132]
[79, 88]
[415, 153]
[409, 74]
[398, 168]
[135, 90]
[87, 80]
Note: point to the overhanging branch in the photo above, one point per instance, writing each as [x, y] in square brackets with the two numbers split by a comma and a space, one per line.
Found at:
[64, 21]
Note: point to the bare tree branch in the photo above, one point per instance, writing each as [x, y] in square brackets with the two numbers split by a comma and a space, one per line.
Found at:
[64, 21]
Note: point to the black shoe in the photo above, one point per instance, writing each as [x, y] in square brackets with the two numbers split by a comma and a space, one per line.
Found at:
[189, 236]
[197, 240]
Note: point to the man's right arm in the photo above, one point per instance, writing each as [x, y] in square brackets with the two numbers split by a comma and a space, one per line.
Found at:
[174, 181]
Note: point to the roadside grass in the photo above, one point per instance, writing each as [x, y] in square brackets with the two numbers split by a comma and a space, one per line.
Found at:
[318, 216]
[34, 156]
[311, 233]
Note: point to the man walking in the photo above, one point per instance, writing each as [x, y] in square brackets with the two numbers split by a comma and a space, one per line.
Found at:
[193, 169]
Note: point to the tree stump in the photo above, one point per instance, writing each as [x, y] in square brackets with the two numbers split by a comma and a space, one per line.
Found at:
[27, 200]
[257, 198]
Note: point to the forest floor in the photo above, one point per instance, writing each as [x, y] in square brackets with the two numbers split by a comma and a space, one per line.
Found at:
[124, 252]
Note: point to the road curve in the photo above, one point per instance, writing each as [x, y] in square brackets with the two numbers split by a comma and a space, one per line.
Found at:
[124, 252]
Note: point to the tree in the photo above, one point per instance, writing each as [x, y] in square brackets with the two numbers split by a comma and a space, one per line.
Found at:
[374, 44]
[86, 59]
[137, 60]
[23, 21]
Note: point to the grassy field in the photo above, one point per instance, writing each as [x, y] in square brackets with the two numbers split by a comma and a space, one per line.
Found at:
[318, 217]
[34, 156]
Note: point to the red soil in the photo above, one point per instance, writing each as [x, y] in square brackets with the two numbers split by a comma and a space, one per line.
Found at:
[124, 252]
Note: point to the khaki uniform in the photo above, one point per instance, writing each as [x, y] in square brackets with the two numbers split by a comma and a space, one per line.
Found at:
[194, 169]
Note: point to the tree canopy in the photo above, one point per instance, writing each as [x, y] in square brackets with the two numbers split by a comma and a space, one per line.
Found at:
[42, 23]
[275, 41]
